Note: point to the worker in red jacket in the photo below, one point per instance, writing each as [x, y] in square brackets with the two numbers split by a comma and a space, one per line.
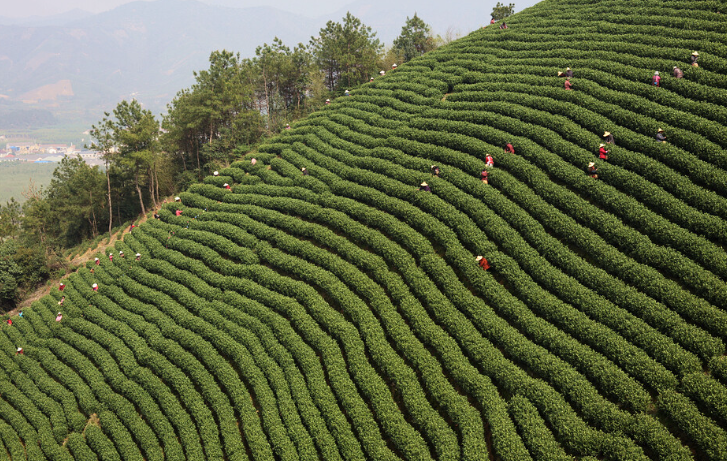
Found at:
[485, 176]
[602, 152]
[509, 148]
[567, 84]
[61, 286]
[482, 262]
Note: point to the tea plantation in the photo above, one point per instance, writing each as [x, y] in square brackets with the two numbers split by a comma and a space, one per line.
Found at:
[342, 315]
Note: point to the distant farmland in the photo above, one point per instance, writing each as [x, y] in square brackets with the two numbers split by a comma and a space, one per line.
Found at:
[15, 177]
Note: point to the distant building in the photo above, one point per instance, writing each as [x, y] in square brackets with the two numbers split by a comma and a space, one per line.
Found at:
[87, 154]
[35, 148]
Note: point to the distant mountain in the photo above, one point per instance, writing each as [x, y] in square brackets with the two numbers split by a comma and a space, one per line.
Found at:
[146, 50]
[303, 8]
[42, 21]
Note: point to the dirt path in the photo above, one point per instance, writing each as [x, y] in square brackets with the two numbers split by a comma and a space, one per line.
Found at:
[78, 261]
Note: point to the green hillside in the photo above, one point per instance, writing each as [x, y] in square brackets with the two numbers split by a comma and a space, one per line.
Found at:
[342, 315]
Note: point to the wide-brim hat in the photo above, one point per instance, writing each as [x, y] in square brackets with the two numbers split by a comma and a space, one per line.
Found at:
[177, 199]
[393, 65]
[591, 164]
[216, 173]
[424, 184]
[479, 258]
[607, 133]
[94, 285]
[226, 184]
[121, 252]
[138, 254]
[695, 54]
[656, 73]
[95, 259]
[328, 100]
[567, 68]
[660, 130]
[602, 145]
[302, 169]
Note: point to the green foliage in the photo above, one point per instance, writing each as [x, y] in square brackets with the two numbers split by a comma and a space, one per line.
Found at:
[415, 39]
[346, 53]
[206, 122]
[283, 78]
[76, 200]
[501, 11]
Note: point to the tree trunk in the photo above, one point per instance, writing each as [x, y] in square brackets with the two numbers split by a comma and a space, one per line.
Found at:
[151, 184]
[199, 168]
[156, 184]
[118, 216]
[138, 190]
[94, 230]
[267, 99]
[111, 211]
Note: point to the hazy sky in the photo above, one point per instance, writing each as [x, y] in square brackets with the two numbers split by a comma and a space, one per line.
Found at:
[24, 8]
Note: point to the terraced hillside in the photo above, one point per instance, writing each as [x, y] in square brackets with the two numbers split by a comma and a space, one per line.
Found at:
[341, 315]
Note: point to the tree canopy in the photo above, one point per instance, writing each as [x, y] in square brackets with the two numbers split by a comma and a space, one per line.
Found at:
[501, 11]
[347, 53]
[415, 39]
